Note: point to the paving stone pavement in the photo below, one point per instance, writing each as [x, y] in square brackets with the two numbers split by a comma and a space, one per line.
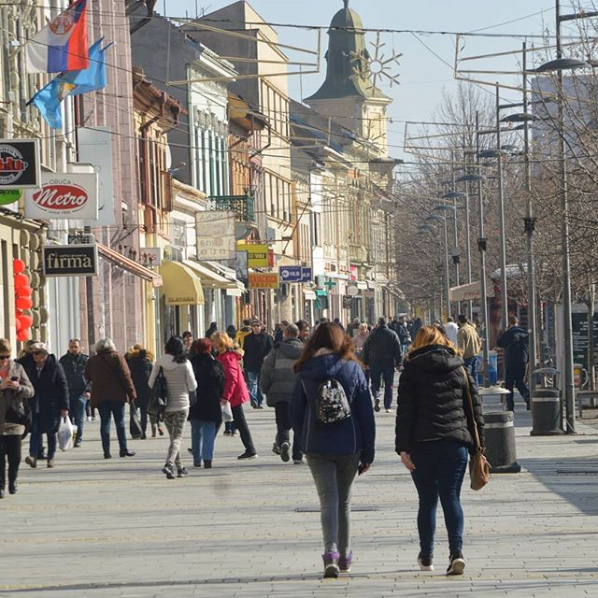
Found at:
[118, 528]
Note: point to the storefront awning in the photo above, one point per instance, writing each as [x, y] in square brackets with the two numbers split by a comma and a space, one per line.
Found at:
[309, 295]
[181, 285]
[129, 265]
[208, 277]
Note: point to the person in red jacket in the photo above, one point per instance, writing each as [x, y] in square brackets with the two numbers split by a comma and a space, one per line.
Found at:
[235, 388]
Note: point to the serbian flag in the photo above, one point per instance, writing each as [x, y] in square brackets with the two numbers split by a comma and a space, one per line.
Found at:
[73, 83]
[61, 45]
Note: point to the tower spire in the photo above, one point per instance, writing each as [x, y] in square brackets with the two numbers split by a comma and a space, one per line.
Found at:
[346, 4]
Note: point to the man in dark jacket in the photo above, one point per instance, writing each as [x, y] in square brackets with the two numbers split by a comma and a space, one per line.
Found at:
[278, 380]
[403, 333]
[50, 402]
[256, 346]
[515, 342]
[73, 362]
[382, 354]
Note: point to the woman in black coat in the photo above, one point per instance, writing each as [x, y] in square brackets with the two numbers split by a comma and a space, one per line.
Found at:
[50, 402]
[434, 435]
[206, 414]
[140, 362]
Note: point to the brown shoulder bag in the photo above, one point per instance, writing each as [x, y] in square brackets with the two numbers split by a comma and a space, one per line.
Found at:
[479, 468]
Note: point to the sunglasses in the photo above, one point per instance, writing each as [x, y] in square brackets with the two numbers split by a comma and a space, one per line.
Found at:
[38, 353]
[3, 357]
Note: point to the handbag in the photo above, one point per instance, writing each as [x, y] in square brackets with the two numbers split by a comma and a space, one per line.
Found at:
[479, 468]
[134, 422]
[19, 413]
[159, 397]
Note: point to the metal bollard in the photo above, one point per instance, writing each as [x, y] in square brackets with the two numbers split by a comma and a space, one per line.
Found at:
[546, 412]
[499, 430]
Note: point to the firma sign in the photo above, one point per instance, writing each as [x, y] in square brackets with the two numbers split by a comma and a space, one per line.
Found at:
[70, 260]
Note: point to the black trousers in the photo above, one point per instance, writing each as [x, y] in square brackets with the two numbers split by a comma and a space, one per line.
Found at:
[241, 425]
[283, 427]
[10, 450]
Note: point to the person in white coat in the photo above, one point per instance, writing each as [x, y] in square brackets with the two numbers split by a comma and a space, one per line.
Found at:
[451, 330]
[180, 381]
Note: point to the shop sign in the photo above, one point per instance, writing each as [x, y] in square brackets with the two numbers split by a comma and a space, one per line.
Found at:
[19, 164]
[9, 196]
[64, 196]
[306, 274]
[263, 280]
[70, 260]
[257, 255]
[215, 235]
[290, 273]
[151, 256]
[95, 147]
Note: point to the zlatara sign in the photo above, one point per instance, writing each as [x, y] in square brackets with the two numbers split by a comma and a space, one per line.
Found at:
[64, 196]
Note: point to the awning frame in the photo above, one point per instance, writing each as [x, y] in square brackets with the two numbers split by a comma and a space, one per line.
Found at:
[129, 265]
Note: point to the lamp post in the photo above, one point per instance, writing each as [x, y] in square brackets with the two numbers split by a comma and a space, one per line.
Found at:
[447, 282]
[482, 246]
[559, 65]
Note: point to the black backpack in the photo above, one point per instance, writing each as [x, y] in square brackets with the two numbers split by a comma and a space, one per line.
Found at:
[331, 405]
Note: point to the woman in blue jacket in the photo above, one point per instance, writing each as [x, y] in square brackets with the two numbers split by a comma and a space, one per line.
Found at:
[335, 452]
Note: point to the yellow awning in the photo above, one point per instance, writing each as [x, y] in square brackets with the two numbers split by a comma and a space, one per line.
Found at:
[181, 285]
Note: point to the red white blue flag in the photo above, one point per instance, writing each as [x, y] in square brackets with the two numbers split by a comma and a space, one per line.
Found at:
[61, 45]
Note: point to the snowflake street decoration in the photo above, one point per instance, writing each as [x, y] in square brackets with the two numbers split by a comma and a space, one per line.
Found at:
[373, 69]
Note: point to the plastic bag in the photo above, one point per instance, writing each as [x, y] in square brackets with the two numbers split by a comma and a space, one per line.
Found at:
[65, 434]
[134, 422]
[227, 412]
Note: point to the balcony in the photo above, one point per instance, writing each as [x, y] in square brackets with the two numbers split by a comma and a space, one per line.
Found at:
[241, 205]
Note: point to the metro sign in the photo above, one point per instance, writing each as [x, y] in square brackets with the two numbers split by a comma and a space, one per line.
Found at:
[19, 164]
[64, 196]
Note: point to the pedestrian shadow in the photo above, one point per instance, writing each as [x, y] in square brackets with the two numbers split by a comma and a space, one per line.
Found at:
[573, 478]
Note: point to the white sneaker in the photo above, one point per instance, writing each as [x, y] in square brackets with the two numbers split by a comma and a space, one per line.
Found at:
[425, 564]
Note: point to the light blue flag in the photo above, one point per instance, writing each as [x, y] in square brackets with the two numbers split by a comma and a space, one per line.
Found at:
[72, 83]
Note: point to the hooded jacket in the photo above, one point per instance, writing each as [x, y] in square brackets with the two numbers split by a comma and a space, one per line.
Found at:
[354, 435]
[209, 375]
[277, 379]
[180, 381]
[515, 342]
[432, 403]
[235, 388]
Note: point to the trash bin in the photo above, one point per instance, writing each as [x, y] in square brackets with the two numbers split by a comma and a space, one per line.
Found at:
[499, 431]
[546, 405]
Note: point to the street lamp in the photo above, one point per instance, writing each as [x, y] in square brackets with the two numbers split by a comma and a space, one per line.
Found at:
[482, 245]
[447, 284]
[559, 65]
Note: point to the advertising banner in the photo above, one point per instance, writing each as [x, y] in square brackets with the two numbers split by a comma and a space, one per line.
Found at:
[263, 280]
[215, 235]
[95, 147]
[70, 260]
[19, 164]
[64, 196]
[257, 254]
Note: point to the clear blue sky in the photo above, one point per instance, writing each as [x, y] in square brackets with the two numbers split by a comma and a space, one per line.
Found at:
[424, 71]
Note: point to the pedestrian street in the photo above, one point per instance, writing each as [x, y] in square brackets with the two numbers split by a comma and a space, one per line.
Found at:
[118, 528]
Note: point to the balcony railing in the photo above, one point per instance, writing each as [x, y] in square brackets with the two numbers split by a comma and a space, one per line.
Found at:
[241, 205]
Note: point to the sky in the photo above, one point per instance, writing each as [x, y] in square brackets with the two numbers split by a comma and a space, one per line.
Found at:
[426, 65]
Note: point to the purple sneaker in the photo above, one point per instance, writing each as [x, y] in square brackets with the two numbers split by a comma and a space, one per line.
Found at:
[331, 564]
[344, 563]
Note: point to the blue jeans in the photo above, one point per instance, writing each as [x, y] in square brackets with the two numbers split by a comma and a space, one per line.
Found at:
[203, 435]
[334, 476]
[77, 415]
[471, 365]
[107, 410]
[440, 468]
[253, 382]
[35, 439]
[386, 371]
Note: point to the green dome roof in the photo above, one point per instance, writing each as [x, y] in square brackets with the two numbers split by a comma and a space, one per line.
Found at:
[346, 17]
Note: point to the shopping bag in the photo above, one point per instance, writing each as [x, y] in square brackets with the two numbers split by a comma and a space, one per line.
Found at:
[227, 412]
[65, 434]
[134, 422]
